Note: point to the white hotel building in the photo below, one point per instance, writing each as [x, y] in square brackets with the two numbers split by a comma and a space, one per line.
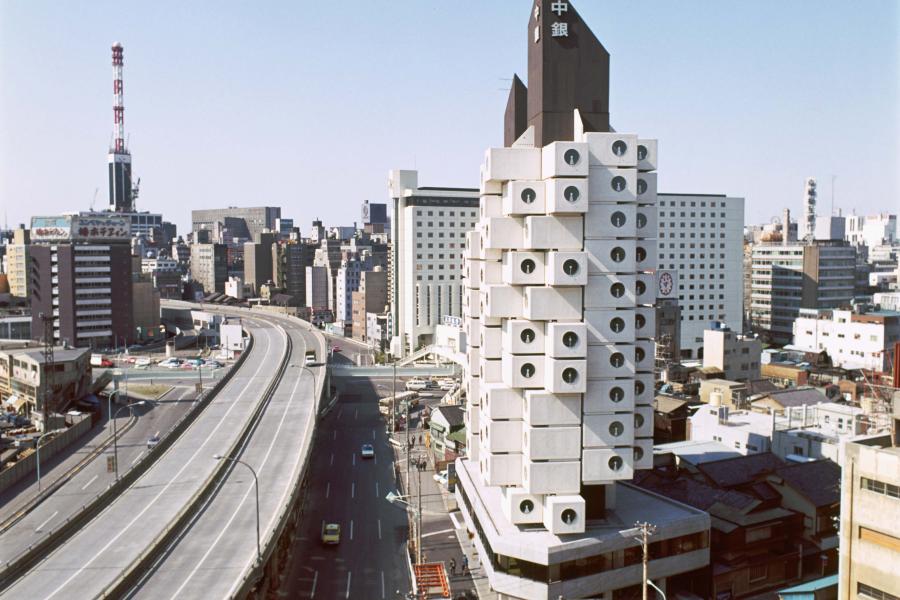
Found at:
[701, 237]
[428, 234]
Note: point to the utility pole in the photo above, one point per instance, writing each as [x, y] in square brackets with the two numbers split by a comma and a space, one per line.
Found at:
[48, 367]
[393, 400]
[646, 530]
[419, 517]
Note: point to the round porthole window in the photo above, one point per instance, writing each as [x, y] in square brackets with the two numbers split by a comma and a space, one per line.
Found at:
[617, 290]
[571, 194]
[570, 267]
[638, 420]
[568, 516]
[617, 254]
[639, 354]
[615, 463]
[641, 287]
[528, 195]
[570, 375]
[617, 359]
[527, 266]
[526, 506]
[616, 429]
[617, 218]
[641, 186]
[639, 321]
[641, 254]
[527, 335]
[641, 220]
[638, 453]
[571, 157]
[642, 152]
[639, 387]
[570, 339]
[527, 370]
[619, 148]
[618, 183]
[617, 394]
[617, 325]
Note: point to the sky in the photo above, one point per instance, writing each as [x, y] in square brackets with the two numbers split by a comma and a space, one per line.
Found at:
[307, 105]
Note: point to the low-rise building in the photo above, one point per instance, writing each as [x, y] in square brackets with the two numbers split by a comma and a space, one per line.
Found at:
[780, 400]
[26, 382]
[447, 436]
[870, 519]
[745, 431]
[736, 355]
[854, 339]
[669, 419]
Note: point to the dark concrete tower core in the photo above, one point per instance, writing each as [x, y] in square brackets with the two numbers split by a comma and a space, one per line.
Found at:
[568, 68]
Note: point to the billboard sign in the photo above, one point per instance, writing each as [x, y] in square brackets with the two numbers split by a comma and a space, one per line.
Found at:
[51, 228]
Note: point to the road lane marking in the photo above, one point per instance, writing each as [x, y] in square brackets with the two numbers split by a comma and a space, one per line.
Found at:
[351, 530]
[353, 490]
[376, 490]
[137, 458]
[437, 532]
[382, 584]
[171, 482]
[327, 489]
[340, 412]
[93, 479]
[41, 526]
[375, 457]
[335, 434]
[348, 584]
[455, 521]
[373, 435]
[354, 459]
[355, 414]
[379, 529]
[332, 459]
[315, 579]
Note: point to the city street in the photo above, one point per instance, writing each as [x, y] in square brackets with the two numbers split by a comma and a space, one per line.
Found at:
[370, 561]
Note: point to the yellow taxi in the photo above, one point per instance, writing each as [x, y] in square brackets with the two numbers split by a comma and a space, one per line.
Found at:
[331, 533]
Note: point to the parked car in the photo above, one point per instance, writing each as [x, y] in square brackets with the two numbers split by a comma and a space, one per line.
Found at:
[335, 348]
[367, 451]
[213, 364]
[142, 363]
[331, 533]
[441, 477]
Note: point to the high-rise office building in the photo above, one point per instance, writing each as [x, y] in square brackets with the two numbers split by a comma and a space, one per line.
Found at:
[560, 284]
[81, 279]
[428, 229]
[786, 277]
[701, 237]
[289, 263]
[258, 261]
[209, 266]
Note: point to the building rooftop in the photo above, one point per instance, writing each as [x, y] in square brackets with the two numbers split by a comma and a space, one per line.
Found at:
[818, 481]
[667, 404]
[795, 397]
[60, 354]
[453, 414]
[696, 452]
[740, 470]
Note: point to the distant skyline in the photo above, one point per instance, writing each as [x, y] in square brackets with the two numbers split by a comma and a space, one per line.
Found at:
[308, 105]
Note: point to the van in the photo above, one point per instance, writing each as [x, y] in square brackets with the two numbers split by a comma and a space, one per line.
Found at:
[416, 384]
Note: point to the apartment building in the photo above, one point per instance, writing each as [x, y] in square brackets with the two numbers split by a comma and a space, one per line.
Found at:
[853, 339]
[735, 355]
[209, 266]
[18, 259]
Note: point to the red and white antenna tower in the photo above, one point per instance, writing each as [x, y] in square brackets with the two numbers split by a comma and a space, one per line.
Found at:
[118, 99]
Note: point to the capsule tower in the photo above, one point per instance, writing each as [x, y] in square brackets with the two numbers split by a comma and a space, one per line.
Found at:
[120, 191]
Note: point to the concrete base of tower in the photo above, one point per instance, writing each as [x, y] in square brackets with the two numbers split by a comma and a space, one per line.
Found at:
[529, 562]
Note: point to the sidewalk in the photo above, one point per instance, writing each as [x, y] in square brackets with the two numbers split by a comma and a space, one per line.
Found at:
[444, 535]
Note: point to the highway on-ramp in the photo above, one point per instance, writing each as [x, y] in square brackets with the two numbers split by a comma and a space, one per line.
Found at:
[92, 559]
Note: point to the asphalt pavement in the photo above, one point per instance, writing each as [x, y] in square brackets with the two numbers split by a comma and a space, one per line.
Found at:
[94, 556]
[370, 561]
[92, 478]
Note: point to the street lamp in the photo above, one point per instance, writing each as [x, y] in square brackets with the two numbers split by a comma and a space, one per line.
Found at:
[256, 486]
[641, 532]
[38, 452]
[116, 433]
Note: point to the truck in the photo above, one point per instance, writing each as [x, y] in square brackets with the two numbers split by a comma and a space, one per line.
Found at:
[98, 360]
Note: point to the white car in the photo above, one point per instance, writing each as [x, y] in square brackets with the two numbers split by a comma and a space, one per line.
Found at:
[441, 477]
[416, 385]
[153, 442]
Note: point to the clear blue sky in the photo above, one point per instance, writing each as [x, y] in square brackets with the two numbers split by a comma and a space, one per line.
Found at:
[307, 105]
